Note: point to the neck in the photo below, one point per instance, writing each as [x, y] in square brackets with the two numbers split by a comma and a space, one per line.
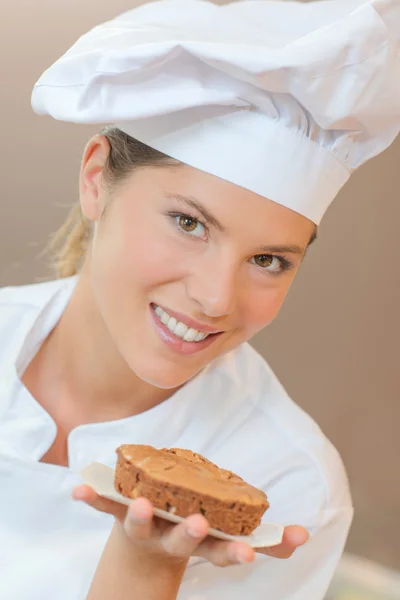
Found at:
[80, 366]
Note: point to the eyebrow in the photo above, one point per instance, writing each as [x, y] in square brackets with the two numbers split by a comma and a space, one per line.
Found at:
[282, 249]
[193, 203]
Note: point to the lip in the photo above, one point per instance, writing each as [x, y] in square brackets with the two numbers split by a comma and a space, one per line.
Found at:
[189, 321]
[177, 344]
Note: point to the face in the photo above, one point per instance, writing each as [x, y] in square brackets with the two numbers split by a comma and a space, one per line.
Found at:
[184, 266]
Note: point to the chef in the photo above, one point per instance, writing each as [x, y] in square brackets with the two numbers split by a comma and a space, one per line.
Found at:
[227, 131]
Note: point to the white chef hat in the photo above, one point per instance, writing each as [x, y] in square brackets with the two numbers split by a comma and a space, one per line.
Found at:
[285, 99]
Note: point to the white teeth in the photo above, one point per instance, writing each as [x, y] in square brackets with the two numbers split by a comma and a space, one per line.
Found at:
[172, 323]
[190, 335]
[180, 329]
[165, 318]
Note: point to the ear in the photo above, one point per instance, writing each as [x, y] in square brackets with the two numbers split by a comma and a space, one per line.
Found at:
[90, 188]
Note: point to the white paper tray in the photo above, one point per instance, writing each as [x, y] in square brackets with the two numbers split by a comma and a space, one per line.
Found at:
[101, 479]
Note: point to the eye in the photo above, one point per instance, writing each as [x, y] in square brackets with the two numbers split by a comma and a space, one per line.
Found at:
[190, 225]
[271, 263]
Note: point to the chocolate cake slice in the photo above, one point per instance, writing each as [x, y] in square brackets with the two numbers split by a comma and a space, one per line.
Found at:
[185, 483]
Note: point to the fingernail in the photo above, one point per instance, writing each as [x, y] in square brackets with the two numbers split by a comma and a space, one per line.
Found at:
[194, 532]
[243, 558]
[137, 515]
[78, 495]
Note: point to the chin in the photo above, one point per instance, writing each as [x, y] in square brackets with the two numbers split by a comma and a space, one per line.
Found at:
[167, 382]
[163, 378]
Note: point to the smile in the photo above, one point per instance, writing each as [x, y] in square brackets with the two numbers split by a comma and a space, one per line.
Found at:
[179, 329]
[181, 333]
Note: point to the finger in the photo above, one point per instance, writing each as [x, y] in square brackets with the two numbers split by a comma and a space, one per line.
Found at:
[139, 518]
[223, 554]
[183, 539]
[87, 494]
[294, 536]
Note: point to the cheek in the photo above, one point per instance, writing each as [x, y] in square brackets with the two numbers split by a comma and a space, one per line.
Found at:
[261, 309]
[140, 256]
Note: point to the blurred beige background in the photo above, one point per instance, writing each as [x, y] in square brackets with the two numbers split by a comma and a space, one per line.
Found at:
[335, 345]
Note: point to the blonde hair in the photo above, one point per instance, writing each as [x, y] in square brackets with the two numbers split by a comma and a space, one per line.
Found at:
[68, 245]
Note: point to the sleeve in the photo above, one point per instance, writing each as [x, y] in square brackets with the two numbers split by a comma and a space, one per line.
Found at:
[305, 576]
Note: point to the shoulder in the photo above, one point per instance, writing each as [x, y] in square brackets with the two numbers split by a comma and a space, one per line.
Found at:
[30, 296]
[19, 302]
[279, 446]
[20, 306]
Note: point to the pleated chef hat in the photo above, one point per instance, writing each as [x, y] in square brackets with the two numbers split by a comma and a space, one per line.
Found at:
[282, 98]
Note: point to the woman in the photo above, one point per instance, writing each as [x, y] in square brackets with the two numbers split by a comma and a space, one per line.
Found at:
[233, 130]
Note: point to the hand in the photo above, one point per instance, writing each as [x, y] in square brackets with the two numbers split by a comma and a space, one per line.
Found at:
[294, 536]
[160, 540]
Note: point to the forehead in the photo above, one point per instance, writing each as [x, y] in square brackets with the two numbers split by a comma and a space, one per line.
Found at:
[237, 209]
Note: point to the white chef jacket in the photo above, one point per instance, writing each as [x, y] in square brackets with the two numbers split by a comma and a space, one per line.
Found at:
[235, 413]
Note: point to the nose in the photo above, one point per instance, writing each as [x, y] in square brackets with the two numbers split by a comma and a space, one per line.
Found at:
[213, 285]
